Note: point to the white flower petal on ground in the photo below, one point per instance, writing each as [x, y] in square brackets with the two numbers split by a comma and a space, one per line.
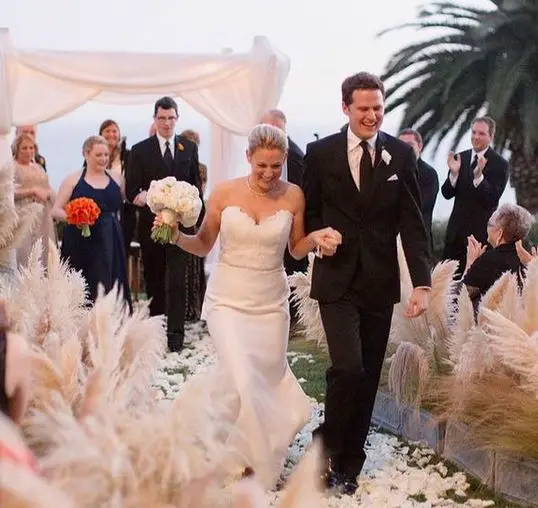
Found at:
[395, 475]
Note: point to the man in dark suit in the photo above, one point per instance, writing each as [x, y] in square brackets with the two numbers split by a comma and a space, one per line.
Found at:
[363, 183]
[31, 130]
[292, 172]
[476, 180]
[164, 154]
[428, 181]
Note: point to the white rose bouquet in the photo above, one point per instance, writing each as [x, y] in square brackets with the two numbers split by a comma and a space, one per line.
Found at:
[176, 201]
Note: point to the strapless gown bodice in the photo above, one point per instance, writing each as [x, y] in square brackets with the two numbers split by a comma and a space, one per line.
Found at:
[244, 243]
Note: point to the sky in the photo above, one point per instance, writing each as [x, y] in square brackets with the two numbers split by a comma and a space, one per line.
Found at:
[326, 41]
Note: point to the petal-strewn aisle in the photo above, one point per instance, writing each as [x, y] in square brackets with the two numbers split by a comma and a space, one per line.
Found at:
[396, 474]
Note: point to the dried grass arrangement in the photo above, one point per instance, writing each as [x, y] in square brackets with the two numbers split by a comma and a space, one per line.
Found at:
[420, 344]
[101, 436]
[493, 387]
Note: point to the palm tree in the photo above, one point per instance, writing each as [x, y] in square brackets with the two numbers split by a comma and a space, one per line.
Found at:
[484, 60]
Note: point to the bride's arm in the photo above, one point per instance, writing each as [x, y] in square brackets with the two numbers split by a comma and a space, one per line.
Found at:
[202, 242]
[300, 244]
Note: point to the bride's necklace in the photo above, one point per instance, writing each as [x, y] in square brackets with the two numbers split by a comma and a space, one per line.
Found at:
[256, 192]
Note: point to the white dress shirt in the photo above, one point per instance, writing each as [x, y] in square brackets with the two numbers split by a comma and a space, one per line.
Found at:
[162, 143]
[476, 181]
[354, 154]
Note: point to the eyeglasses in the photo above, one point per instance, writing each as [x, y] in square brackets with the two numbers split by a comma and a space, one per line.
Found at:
[163, 119]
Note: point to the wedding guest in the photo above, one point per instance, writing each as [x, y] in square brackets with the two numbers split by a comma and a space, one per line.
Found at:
[476, 180]
[14, 373]
[32, 184]
[508, 225]
[101, 256]
[154, 158]
[428, 181]
[195, 280]
[31, 130]
[119, 153]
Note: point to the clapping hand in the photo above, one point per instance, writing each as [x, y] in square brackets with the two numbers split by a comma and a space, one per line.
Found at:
[524, 255]
[480, 165]
[454, 163]
[327, 241]
[474, 250]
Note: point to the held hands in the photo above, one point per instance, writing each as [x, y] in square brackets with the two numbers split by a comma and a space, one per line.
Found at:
[454, 163]
[326, 241]
[41, 195]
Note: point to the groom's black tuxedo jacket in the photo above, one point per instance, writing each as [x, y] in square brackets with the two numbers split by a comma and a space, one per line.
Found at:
[146, 163]
[369, 221]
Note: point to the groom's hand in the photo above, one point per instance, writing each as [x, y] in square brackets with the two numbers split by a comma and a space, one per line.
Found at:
[418, 303]
[140, 199]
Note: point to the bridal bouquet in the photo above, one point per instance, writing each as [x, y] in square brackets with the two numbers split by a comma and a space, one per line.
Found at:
[176, 201]
[83, 213]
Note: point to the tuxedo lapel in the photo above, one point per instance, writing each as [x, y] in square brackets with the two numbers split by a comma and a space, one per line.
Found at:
[160, 167]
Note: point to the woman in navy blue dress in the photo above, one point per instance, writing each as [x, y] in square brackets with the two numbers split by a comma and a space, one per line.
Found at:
[101, 256]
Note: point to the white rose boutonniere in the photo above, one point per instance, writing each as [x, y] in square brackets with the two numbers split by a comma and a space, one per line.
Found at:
[386, 156]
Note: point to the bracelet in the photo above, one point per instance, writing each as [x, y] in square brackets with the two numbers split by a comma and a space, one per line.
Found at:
[175, 239]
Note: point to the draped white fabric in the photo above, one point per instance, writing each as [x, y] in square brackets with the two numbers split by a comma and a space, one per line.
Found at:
[230, 90]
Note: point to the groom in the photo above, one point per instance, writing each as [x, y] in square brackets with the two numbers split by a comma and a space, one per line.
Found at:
[161, 155]
[362, 182]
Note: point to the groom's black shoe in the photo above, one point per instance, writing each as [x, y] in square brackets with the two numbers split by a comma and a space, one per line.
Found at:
[175, 343]
[341, 483]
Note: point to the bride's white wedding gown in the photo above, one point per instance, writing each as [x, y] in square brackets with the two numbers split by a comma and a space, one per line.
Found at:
[247, 313]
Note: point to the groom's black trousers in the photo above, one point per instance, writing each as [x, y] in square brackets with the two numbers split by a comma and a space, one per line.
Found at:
[357, 337]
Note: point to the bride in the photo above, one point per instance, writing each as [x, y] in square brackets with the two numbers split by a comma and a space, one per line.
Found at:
[246, 302]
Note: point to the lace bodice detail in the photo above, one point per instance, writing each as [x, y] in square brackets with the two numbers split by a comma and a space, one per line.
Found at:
[246, 244]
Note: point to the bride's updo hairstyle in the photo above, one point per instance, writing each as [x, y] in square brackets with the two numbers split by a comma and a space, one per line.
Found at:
[268, 137]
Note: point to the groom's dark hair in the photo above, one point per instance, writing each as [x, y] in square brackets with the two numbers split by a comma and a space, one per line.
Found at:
[165, 103]
[360, 81]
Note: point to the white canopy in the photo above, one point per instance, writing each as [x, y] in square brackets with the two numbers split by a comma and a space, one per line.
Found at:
[230, 90]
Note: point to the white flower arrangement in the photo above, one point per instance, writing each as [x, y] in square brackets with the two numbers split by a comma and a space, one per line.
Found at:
[176, 201]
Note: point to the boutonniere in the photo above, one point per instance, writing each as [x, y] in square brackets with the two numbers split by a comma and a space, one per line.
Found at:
[180, 147]
[386, 156]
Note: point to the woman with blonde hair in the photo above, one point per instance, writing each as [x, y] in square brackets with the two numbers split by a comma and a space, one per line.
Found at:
[101, 257]
[246, 302]
[32, 184]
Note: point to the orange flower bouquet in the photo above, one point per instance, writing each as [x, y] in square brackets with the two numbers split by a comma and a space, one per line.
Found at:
[83, 213]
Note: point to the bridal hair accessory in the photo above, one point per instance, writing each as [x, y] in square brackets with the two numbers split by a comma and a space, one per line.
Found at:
[175, 201]
[386, 156]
